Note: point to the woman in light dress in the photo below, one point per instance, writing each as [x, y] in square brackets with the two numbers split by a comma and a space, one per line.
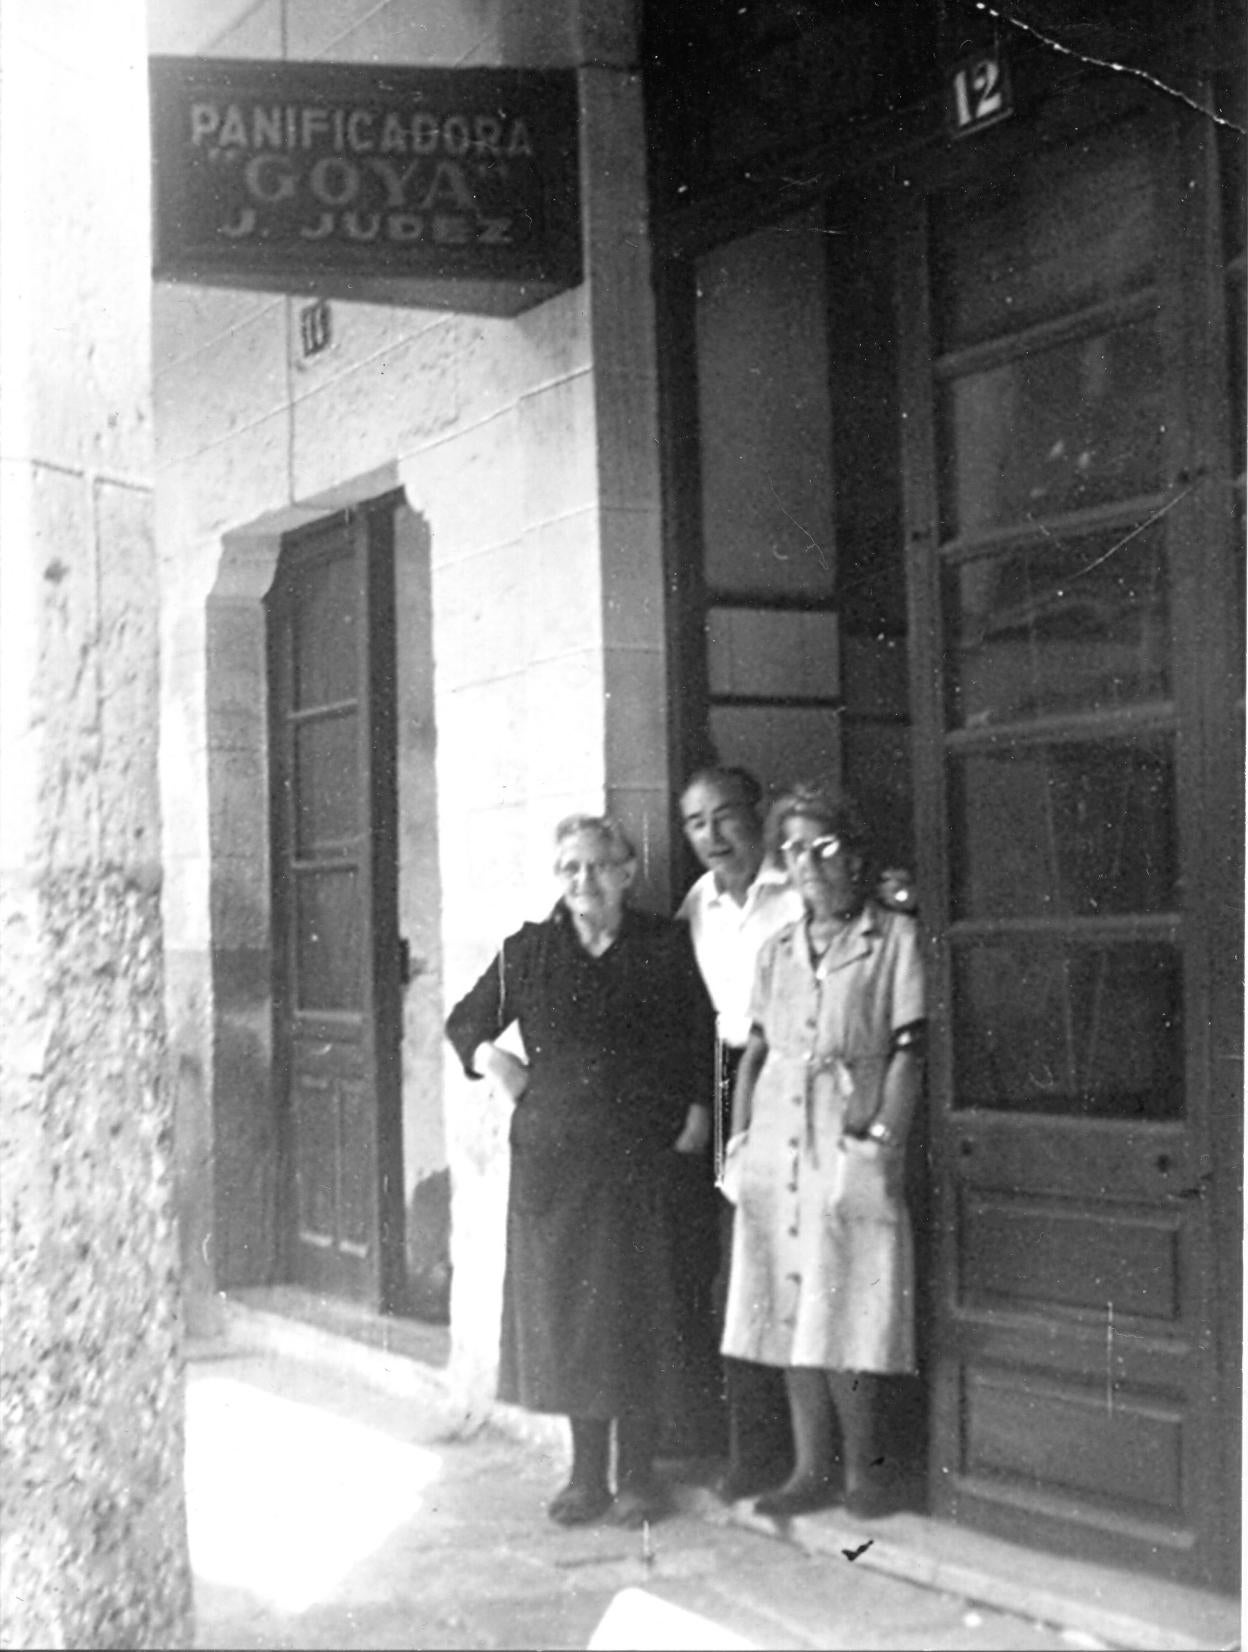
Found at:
[822, 1278]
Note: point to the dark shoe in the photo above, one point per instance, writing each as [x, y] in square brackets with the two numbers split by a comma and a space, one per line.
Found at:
[577, 1505]
[636, 1504]
[797, 1497]
[741, 1482]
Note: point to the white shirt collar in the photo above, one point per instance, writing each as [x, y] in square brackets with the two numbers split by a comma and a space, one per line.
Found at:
[766, 878]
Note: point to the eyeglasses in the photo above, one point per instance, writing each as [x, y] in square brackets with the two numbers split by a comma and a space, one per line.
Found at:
[822, 848]
[591, 868]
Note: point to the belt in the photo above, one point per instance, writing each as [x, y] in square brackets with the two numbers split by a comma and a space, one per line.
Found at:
[727, 1060]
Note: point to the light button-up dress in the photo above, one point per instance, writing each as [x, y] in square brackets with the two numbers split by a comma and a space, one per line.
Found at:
[823, 1256]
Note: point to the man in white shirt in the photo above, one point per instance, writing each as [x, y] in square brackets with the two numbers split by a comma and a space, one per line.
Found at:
[736, 905]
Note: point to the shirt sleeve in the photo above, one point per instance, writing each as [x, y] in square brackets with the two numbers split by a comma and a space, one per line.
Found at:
[490, 1006]
[760, 992]
[909, 1002]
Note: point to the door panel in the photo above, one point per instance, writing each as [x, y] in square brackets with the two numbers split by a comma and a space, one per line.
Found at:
[1067, 1443]
[1057, 717]
[315, 1155]
[1047, 1250]
[769, 631]
[331, 647]
[357, 1190]
[796, 611]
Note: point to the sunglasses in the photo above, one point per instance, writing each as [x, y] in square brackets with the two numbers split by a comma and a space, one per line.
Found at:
[821, 848]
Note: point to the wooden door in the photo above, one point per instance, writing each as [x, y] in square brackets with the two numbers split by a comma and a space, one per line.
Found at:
[331, 642]
[1069, 581]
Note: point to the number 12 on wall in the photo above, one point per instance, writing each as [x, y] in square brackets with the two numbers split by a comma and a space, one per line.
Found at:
[979, 93]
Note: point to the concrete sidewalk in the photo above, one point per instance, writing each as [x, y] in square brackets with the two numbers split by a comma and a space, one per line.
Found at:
[335, 1501]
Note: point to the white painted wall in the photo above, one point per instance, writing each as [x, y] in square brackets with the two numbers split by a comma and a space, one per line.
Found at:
[528, 446]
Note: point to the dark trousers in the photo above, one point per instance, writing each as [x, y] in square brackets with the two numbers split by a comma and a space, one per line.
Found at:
[760, 1431]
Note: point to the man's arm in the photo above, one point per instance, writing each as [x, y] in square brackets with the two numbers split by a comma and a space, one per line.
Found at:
[752, 1059]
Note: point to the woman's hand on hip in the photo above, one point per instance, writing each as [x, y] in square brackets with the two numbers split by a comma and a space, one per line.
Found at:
[504, 1071]
[697, 1131]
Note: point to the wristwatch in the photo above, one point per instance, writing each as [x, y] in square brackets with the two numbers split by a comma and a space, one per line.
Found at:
[881, 1132]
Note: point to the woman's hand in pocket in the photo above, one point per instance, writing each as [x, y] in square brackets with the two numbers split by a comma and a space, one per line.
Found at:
[864, 1147]
[872, 1175]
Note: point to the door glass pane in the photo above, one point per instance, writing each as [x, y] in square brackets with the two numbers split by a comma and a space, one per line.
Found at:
[867, 417]
[1054, 430]
[325, 634]
[1087, 218]
[327, 940]
[779, 744]
[764, 422]
[773, 653]
[1058, 626]
[877, 761]
[1059, 1027]
[1076, 829]
[327, 801]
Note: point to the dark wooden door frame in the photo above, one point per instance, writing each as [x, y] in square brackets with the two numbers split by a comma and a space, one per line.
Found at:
[369, 530]
[1209, 761]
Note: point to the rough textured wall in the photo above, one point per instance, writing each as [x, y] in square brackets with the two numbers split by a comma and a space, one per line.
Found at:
[92, 1546]
[92, 1521]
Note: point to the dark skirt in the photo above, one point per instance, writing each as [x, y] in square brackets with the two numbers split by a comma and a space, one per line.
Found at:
[611, 1251]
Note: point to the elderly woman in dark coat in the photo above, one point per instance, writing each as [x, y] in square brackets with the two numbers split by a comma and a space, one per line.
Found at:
[610, 1203]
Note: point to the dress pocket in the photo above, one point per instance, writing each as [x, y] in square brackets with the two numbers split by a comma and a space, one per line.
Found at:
[866, 1182]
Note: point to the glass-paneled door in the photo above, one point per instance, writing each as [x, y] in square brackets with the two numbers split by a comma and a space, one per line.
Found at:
[1068, 585]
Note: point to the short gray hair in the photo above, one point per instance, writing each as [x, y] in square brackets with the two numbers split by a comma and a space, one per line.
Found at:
[604, 827]
[835, 810]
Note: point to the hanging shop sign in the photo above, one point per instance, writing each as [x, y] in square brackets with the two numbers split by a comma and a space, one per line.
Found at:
[442, 188]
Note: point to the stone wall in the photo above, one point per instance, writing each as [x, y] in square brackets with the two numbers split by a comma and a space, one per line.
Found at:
[93, 1550]
[92, 1522]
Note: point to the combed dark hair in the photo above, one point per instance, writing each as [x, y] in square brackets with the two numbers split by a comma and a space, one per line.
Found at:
[834, 809]
[604, 827]
[720, 774]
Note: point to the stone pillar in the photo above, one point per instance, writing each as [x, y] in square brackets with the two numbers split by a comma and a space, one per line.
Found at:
[92, 1521]
[549, 625]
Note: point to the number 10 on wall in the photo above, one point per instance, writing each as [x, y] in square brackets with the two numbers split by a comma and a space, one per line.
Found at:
[979, 93]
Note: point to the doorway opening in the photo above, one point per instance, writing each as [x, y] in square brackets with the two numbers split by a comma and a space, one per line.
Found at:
[329, 1176]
